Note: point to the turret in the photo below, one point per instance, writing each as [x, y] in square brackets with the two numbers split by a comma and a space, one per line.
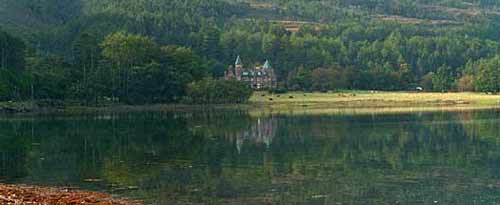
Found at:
[267, 65]
[238, 63]
[238, 68]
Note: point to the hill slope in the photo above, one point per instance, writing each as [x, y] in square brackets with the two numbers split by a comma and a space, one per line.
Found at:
[357, 44]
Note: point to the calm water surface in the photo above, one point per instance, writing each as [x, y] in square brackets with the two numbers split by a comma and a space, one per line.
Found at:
[235, 158]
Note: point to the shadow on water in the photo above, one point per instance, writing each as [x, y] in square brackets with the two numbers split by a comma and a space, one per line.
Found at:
[234, 158]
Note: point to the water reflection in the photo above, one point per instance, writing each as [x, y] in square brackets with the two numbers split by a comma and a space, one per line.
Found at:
[234, 158]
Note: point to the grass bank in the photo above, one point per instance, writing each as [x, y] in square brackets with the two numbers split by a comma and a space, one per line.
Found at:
[314, 103]
[372, 100]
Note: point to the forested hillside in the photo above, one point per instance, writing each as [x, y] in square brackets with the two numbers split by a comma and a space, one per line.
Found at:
[132, 51]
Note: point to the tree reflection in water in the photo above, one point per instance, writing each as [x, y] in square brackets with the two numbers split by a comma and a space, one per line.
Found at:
[232, 157]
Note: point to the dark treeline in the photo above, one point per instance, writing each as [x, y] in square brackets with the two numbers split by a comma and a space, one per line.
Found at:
[159, 51]
[123, 68]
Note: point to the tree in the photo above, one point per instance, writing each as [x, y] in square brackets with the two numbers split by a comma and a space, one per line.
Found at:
[147, 73]
[85, 75]
[405, 73]
[300, 79]
[146, 84]
[210, 91]
[466, 83]
[181, 66]
[49, 77]
[426, 81]
[328, 79]
[210, 42]
[11, 52]
[144, 39]
[125, 50]
[443, 79]
[488, 75]
[13, 85]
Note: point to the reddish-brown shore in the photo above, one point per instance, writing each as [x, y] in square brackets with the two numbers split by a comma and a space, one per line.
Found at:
[14, 194]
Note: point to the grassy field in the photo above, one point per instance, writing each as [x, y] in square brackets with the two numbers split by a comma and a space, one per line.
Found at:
[294, 100]
[358, 102]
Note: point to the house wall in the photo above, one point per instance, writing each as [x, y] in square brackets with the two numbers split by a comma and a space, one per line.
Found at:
[257, 82]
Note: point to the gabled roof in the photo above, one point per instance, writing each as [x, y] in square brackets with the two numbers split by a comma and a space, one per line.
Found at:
[238, 61]
[267, 65]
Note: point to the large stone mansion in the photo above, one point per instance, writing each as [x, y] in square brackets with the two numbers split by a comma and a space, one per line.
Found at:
[258, 77]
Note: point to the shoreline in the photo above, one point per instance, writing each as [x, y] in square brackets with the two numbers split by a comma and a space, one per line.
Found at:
[24, 194]
[263, 102]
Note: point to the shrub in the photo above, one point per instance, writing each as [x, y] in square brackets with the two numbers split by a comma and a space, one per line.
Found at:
[210, 91]
[279, 90]
[488, 75]
[466, 83]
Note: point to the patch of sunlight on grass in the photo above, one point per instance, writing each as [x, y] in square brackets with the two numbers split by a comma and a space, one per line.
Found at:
[366, 99]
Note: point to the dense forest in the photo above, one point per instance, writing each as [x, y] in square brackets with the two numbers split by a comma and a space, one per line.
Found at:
[156, 51]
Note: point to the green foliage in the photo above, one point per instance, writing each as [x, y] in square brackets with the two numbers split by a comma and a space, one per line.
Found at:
[49, 77]
[210, 91]
[278, 90]
[426, 81]
[328, 79]
[144, 72]
[488, 75]
[300, 79]
[87, 74]
[125, 49]
[124, 68]
[466, 84]
[140, 52]
[11, 52]
[13, 86]
[443, 80]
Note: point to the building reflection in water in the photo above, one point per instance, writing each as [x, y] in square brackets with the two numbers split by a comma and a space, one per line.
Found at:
[262, 131]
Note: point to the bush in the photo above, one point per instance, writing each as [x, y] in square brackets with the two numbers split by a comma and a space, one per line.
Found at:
[488, 76]
[279, 90]
[13, 86]
[210, 91]
[466, 83]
